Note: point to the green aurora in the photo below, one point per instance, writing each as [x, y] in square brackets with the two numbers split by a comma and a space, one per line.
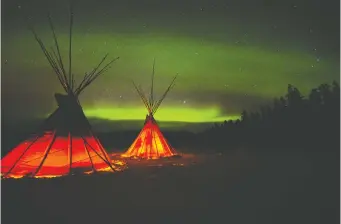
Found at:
[218, 76]
[167, 114]
[203, 66]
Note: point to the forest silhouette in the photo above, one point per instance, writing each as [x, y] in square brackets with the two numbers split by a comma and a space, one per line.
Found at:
[292, 121]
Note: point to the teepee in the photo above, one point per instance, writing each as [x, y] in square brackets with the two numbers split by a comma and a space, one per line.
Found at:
[64, 144]
[150, 143]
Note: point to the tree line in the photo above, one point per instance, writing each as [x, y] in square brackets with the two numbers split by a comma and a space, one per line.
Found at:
[293, 120]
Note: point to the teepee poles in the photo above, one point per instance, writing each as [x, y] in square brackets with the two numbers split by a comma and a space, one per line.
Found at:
[105, 159]
[143, 97]
[90, 77]
[55, 60]
[94, 150]
[150, 142]
[156, 106]
[92, 164]
[70, 153]
[152, 87]
[47, 151]
[150, 104]
[70, 43]
[156, 146]
[58, 57]
[51, 61]
[29, 150]
[19, 158]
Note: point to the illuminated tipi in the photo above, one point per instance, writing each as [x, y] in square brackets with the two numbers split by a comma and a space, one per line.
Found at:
[150, 143]
[64, 144]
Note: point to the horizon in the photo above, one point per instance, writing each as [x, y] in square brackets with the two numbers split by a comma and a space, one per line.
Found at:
[111, 119]
[106, 126]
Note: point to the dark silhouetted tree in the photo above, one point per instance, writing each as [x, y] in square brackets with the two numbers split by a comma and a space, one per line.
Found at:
[292, 122]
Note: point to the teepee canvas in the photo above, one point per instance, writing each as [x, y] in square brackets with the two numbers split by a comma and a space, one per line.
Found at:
[150, 143]
[64, 144]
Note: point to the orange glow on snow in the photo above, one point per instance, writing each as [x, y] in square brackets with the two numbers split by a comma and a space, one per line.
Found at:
[150, 143]
[118, 162]
[50, 156]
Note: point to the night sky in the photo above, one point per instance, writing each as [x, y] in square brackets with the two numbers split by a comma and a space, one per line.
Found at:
[229, 55]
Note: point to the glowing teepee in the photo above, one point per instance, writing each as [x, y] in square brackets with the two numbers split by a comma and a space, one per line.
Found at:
[65, 143]
[150, 143]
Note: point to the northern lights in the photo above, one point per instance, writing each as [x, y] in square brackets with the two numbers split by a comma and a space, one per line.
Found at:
[224, 63]
[179, 114]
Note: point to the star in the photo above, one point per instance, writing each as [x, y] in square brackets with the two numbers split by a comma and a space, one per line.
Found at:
[184, 102]
[19, 6]
[318, 59]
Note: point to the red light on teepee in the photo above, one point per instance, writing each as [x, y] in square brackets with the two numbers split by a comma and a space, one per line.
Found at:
[150, 143]
[65, 143]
